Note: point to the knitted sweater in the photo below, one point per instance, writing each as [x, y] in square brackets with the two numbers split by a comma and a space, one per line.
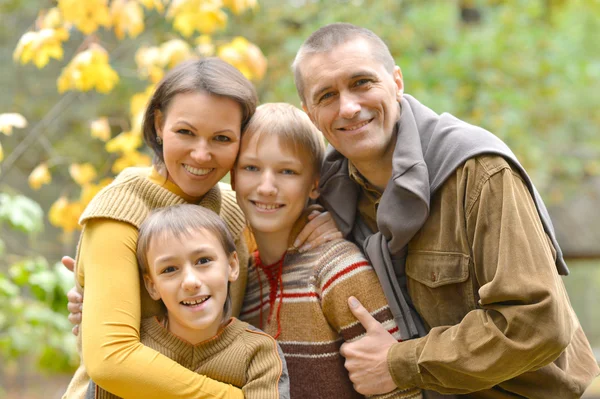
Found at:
[107, 270]
[302, 300]
[240, 355]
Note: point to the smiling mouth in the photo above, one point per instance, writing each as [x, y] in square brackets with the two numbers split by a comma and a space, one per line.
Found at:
[266, 207]
[197, 171]
[195, 302]
[356, 127]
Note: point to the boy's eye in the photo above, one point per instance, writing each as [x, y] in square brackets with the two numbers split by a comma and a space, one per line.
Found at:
[250, 168]
[204, 260]
[288, 172]
[169, 269]
[222, 138]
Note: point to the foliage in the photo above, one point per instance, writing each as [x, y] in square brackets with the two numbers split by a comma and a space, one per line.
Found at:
[32, 295]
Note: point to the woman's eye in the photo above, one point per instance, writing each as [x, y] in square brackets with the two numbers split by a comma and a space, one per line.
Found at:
[184, 131]
[169, 269]
[250, 168]
[222, 138]
[204, 260]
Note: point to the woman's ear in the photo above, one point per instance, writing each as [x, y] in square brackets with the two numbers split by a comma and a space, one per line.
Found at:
[234, 266]
[151, 287]
[158, 123]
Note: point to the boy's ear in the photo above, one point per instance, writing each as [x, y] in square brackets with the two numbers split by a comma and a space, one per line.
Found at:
[151, 287]
[314, 190]
[158, 123]
[234, 266]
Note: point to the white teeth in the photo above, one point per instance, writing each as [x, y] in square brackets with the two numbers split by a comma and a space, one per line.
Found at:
[356, 126]
[196, 171]
[195, 302]
[267, 207]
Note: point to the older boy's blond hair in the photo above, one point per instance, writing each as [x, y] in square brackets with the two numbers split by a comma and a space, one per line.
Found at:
[292, 127]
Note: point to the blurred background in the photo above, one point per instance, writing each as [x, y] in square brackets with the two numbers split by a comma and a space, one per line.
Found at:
[76, 75]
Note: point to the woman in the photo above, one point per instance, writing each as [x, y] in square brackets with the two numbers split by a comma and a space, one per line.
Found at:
[193, 124]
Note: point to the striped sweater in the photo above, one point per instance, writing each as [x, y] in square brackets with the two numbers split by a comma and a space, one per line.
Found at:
[240, 355]
[302, 301]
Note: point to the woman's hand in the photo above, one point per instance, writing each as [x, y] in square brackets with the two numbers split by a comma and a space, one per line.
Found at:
[75, 298]
[320, 228]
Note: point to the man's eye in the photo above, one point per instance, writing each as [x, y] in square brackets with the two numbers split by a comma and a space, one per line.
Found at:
[222, 138]
[169, 269]
[326, 96]
[362, 82]
[204, 260]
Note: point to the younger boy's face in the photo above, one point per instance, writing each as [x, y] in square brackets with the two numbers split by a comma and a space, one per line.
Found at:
[190, 274]
[273, 184]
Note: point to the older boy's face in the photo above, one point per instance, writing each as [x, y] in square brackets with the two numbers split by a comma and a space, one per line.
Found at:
[353, 100]
[190, 274]
[273, 184]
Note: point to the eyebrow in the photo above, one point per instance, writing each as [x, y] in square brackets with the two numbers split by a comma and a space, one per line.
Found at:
[359, 74]
[202, 250]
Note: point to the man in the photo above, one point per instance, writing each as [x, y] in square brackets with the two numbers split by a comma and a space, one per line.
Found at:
[454, 228]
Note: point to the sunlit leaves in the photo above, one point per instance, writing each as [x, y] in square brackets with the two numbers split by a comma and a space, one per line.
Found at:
[152, 62]
[39, 176]
[124, 142]
[245, 56]
[88, 70]
[21, 213]
[204, 16]
[127, 18]
[86, 15]
[158, 5]
[82, 173]
[89, 190]
[38, 47]
[100, 129]
[10, 120]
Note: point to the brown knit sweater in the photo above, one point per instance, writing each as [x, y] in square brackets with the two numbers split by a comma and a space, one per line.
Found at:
[302, 300]
[240, 355]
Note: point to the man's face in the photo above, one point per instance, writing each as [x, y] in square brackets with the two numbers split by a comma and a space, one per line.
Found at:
[353, 100]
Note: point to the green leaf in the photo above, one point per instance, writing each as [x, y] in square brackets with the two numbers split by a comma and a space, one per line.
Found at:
[21, 213]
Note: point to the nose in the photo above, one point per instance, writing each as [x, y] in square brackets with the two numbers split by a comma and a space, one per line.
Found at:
[191, 281]
[267, 185]
[349, 105]
[202, 152]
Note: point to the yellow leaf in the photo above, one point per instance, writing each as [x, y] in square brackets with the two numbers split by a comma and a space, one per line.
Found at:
[205, 46]
[204, 16]
[173, 52]
[88, 70]
[39, 176]
[158, 5]
[100, 129]
[127, 17]
[65, 214]
[10, 120]
[39, 47]
[50, 19]
[57, 211]
[82, 173]
[245, 56]
[131, 159]
[124, 143]
[87, 16]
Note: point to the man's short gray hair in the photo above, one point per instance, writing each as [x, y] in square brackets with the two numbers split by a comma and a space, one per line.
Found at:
[330, 36]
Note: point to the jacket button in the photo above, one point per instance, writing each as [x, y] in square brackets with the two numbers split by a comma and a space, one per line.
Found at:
[433, 276]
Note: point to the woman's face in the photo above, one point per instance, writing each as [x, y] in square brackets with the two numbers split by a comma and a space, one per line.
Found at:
[201, 139]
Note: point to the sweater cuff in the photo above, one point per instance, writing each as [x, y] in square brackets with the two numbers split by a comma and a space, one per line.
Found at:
[402, 364]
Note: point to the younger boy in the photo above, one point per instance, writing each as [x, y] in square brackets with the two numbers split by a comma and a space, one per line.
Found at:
[300, 298]
[188, 259]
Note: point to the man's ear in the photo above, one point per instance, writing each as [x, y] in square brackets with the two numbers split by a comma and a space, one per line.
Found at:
[158, 123]
[234, 266]
[399, 82]
[151, 287]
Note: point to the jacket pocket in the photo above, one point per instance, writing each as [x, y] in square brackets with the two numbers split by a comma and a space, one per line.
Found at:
[440, 286]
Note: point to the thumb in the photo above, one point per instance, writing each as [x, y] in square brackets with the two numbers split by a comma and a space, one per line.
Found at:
[363, 316]
[68, 262]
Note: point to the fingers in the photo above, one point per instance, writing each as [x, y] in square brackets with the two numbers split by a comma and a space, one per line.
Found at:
[74, 318]
[68, 262]
[363, 316]
[75, 297]
[321, 228]
[75, 330]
